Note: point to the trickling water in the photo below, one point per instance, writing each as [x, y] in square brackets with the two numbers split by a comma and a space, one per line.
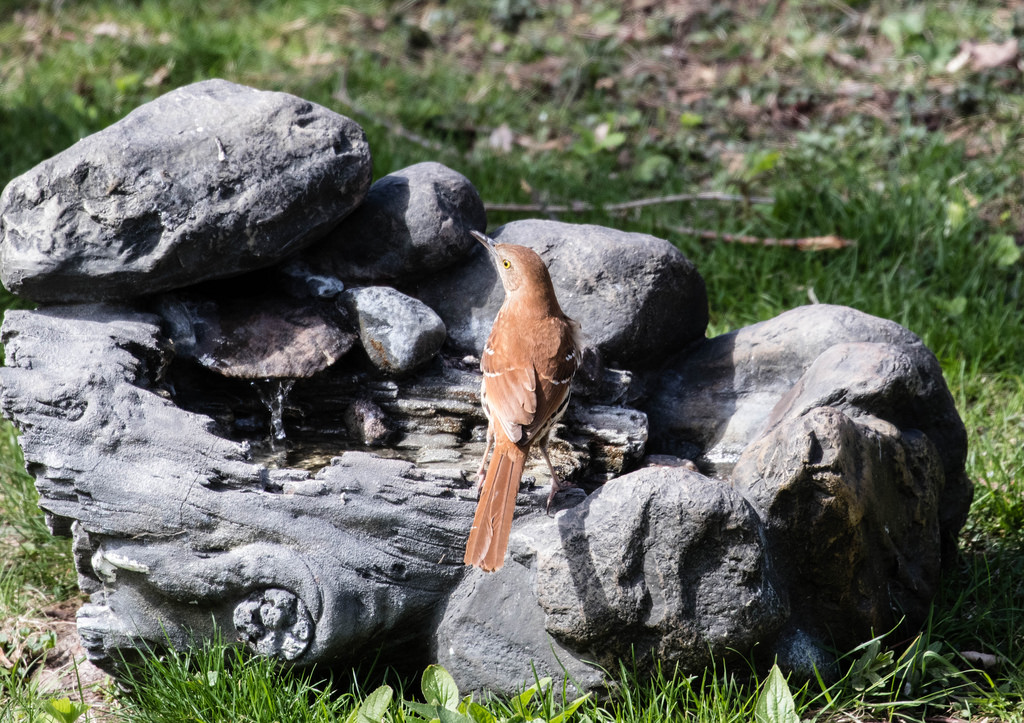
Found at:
[274, 393]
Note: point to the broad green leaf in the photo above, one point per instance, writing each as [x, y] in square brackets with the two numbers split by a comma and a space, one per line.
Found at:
[480, 714]
[570, 709]
[65, 710]
[439, 687]
[913, 22]
[890, 27]
[956, 214]
[955, 306]
[775, 704]
[762, 162]
[613, 140]
[1005, 251]
[450, 715]
[422, 709]
[373, 709]
[690, 120]
[654, 168]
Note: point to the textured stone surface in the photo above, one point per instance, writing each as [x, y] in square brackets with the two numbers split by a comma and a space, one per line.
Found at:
[292, 561]
[714, 400]
[662, 563]
[840, 430]
[256, 337]
[852, 516]
[207, 181]
[398, 332]
[413, 222]
[151, 543]
[840, 491]
[662, 560]
[636, 297]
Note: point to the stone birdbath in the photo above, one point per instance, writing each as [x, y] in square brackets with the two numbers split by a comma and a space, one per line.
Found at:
[249, 394]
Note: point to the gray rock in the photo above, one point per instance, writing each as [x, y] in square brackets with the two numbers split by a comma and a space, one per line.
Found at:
[840, 430]
[321, 570]
[368, 424]
[87, 372]
[413, 222]
[660, 564]
[834, 515]
[636, 297]
[207, 181]
[398, 332]
[851, 511]
[267, 336]
[715, 399]
[492, 633]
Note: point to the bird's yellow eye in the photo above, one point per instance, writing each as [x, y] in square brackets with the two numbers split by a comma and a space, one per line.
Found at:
[507, 264]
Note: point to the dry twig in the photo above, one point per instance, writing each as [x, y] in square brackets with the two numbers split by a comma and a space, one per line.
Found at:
[581, 206]
[811, 243]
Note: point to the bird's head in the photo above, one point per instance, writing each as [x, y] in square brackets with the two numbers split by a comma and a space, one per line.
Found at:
[518, 267]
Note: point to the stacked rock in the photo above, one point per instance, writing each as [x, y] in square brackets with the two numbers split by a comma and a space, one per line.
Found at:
[216, 269]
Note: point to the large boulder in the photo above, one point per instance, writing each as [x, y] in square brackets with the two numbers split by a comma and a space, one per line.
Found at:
[839, 429]
[712, 401]
[207, 181]
[637, 298]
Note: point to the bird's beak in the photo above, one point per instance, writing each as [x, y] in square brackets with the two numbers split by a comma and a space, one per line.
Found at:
[487, 242]
[482, 238]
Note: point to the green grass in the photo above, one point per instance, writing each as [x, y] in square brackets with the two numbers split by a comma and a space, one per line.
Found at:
[844, 113]
[37, 570]
[211, 682]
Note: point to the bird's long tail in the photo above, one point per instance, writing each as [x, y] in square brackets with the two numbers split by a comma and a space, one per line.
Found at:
[488, 537]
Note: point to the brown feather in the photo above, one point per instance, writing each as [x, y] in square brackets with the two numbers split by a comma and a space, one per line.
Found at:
[488, 537]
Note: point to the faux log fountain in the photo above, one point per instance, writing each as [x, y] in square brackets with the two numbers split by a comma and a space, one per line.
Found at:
[249, 394]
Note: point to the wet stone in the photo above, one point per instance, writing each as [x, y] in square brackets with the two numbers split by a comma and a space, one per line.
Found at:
[398, 332]
[258, 337]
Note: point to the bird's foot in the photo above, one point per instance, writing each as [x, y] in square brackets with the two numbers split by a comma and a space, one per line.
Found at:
[557, 486]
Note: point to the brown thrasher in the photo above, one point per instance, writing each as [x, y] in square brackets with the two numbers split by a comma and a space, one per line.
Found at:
[528, 364]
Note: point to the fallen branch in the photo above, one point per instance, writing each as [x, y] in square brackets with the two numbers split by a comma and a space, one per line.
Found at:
[581, 206]
[811, 243]
[814, 243]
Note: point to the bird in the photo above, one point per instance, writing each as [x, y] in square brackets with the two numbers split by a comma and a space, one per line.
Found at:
[528, 363]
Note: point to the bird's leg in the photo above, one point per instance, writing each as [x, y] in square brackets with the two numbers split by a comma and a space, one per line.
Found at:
[557, 484]
[482, 472]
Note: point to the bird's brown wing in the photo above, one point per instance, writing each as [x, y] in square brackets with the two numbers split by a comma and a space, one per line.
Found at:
[556, 357]
[510, 394]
